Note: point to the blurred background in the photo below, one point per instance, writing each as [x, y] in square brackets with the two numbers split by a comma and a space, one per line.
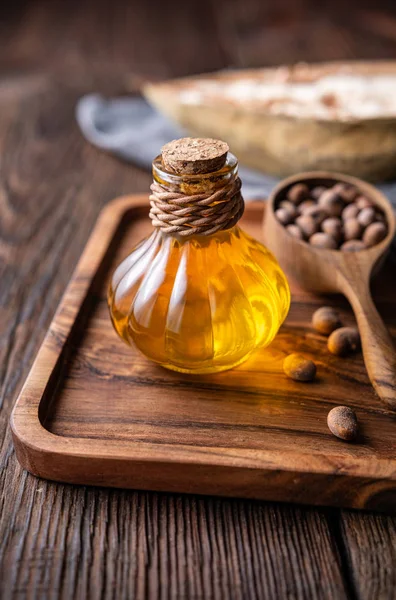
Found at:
[94, 41]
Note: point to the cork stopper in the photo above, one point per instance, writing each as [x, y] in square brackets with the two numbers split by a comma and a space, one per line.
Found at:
[194, 156]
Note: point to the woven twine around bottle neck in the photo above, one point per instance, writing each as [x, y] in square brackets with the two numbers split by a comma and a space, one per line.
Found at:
[197, 214]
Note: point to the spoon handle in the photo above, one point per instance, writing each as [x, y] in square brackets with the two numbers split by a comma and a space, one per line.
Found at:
[378, 350]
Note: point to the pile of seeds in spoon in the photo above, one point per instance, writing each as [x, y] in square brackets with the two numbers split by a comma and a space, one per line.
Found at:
[337, 217]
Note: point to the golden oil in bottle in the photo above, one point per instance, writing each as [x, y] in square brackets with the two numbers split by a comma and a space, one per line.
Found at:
[198, 303]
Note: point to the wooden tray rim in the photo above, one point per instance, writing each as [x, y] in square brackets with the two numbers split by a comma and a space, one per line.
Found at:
[25, 434]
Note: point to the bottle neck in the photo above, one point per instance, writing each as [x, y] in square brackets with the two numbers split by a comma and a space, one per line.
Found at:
[192, 205]
[191, 185]
[198, 240]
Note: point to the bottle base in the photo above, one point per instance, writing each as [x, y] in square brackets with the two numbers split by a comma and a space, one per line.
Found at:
[204, 370]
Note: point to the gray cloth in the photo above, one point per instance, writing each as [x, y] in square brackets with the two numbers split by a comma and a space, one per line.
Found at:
[130, 128]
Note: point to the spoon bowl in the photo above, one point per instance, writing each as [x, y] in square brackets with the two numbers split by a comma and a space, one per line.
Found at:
[349, 273]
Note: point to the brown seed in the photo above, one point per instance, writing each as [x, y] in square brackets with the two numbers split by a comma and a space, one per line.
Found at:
[295, 231]
[366, 216]
[325, 320]
[339, 187]
[363, 202]
[344, 341]
[347, 191]
[299, 368]
[332, 203]
[317, 213]
[307, 225]
[350, 212]
[374, 234]
[333, 226]
[353, 246]
[283, 216]
[352, 229]
[306, 205]
[343, 423]
[298, 192]
[317, 191]
[290, 207]
[323, 240]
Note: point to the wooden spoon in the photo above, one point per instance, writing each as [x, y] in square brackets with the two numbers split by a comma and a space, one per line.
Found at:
[329, 271]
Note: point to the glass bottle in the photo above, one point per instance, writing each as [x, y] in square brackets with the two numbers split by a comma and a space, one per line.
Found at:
[198, 303]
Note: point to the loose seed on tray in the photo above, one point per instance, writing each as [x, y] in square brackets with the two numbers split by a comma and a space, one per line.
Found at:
[298, 193]
[352, 229]
[325, 320]
[374, 234]
[344, 341]
[323, 240]
[343, 423]
[299, 368]
[295, 231]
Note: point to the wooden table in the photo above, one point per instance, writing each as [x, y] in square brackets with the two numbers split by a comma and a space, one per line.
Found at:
[65, 541]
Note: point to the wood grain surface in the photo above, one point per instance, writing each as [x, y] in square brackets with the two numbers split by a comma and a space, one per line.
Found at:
[95, 411]
[63, 541]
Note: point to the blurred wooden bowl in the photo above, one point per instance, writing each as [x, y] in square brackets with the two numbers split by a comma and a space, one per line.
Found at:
[279, 144]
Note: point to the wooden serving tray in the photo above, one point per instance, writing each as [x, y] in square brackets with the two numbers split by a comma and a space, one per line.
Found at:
[94, 411]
